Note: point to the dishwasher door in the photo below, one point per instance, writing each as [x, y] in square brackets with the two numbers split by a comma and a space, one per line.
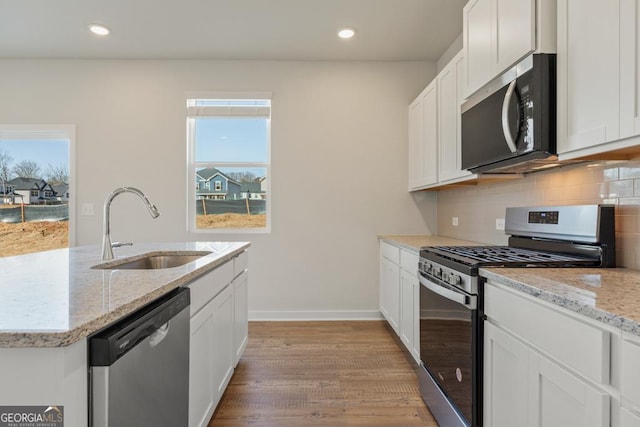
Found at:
[139, 373]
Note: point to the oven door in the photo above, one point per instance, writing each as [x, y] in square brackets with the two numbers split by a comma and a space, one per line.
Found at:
[450, 352]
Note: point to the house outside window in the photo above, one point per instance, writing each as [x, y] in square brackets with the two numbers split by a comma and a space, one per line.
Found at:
[36, 161]
[228, 138]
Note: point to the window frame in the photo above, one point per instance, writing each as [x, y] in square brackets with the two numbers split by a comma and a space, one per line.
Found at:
[51, 132]
[192, 165]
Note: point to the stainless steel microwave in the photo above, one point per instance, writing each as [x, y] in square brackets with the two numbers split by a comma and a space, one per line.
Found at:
[510, 125]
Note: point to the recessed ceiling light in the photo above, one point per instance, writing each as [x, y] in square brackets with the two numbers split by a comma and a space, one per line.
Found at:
[99, 30]
[346, 33]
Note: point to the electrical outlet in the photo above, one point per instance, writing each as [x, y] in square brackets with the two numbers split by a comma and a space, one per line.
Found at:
[454, 221]
[499, 223]
[86, 209]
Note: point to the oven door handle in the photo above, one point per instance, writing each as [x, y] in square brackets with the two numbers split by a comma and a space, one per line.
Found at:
[447, 293]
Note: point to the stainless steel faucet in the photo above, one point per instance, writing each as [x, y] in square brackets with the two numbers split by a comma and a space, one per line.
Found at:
[107, 246]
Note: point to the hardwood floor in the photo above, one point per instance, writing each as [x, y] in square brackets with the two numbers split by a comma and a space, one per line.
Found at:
[322, 374]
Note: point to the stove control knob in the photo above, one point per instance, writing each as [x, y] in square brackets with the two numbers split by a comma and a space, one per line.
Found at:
[445, 276]
[454, 279]
[437, 271]
[426, 266]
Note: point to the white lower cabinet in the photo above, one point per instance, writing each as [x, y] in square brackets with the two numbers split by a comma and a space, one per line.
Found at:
[506, 365]
[241, 315]
[524, 383]
[557, 397]
[219, 331]
[400, 293]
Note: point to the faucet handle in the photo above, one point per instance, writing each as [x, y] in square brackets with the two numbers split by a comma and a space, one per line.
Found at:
[118, 244]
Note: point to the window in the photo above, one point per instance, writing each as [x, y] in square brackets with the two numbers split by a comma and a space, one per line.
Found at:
[229, 149]
[36, 179]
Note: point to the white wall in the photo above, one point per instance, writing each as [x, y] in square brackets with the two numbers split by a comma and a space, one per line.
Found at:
[339, 132]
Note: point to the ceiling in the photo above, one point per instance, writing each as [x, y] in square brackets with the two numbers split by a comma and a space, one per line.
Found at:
[387, 30]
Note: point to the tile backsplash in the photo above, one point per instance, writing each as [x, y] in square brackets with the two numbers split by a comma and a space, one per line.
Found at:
[478, 206]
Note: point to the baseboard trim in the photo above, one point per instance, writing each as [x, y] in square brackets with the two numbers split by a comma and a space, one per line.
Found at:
[315, 315]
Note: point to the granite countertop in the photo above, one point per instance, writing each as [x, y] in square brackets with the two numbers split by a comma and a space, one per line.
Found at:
[608, 295]
[55, 298]
[415, 242]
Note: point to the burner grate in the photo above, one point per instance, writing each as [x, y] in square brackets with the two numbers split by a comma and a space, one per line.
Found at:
[507, 256]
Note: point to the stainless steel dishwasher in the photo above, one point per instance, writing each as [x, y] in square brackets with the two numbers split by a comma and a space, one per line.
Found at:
[139, 367]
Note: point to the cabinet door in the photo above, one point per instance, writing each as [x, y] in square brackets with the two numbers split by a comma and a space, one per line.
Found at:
[514, 32]
[240, 315]
[202, 393]
[629, 69]
[506, 362]
[450, 96]
[416, 136]
[588, 73]
[222, 359]
[423, 139]
[478, 36]
[390, 292]
[408, 314]
[558, 398]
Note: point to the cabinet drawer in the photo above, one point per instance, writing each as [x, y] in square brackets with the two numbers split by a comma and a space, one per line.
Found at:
[204, 288]
[240, 263]
[392, 253]
[582, 347]
[629, 373]
[409, 261]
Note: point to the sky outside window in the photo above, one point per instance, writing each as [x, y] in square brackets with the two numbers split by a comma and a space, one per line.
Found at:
[231, 140]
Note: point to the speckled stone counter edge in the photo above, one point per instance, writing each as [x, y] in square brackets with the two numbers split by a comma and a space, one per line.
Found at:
[614, 320]
[68, 337]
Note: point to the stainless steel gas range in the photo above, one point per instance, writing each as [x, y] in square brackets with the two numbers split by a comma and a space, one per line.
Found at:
[451, 296]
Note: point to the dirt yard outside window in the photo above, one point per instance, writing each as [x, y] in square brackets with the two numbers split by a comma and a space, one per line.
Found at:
[28, 237]
[230, 220]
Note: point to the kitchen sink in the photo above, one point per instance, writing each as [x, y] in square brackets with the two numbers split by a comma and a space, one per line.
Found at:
[153, 261]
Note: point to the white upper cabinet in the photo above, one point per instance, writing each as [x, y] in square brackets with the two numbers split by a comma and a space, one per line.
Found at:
[499, 33]
[435, 157]
[477, 39]
[423, 139]
[588, 73]
[450, 96]
[598, 78]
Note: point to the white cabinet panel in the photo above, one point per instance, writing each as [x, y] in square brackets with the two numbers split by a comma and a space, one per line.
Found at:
[222, 357]
[630, 373]
[423, 139]
[496, 35]
[240, 315]
[628, 419]
[588, 73]
[629, 68]
[506, 362]
[409, 322]
[478, 36]
[515, 31]
[450, 96]
[558, 398]
[202, 394]
[416, 136]
[391, 279]
[400, 293]
[548, 329]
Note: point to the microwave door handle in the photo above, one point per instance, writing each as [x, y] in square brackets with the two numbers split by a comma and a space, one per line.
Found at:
[444, 292]
[506, 129]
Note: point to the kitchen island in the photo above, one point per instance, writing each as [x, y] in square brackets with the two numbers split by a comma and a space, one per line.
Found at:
[50, 302]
